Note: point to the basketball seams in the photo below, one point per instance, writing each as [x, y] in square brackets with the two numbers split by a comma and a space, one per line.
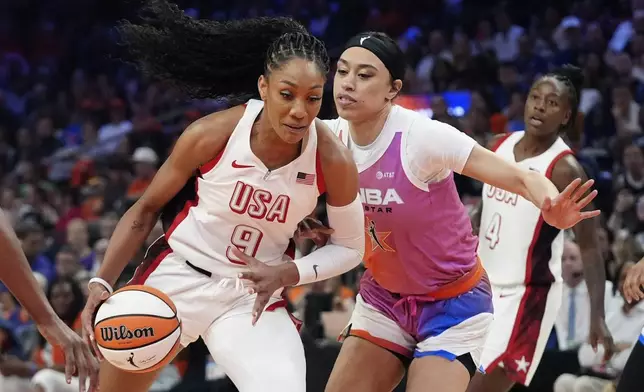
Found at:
[150, 290]
[122, 316]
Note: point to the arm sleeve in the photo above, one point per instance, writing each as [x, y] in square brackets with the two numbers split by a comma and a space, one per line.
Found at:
[434, 147]
[344, 250]
[333, 124]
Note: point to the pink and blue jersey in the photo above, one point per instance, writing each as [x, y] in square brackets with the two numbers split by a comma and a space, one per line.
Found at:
[422, 267]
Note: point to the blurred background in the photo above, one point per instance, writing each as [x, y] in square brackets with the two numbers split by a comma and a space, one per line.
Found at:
[82, 134]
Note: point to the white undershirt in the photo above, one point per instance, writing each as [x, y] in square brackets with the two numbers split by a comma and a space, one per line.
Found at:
[430, 148]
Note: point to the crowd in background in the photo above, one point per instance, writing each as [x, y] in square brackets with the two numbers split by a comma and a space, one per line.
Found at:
[82, 134]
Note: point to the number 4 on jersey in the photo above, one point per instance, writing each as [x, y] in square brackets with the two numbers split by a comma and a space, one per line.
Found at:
[493, 231]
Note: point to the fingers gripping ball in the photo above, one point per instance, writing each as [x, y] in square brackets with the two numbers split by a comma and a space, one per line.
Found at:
[137, 329]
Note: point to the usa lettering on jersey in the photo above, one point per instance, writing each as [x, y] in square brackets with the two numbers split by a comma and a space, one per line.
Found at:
[501, 195]
[259, 204]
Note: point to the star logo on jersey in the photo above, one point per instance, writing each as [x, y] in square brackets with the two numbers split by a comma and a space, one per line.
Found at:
[522, 365]
[378, 238]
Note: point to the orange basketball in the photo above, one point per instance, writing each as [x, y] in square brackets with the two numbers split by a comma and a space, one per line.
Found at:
[137, 329]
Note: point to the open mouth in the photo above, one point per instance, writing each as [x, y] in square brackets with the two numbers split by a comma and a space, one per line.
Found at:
[536, 121]
[344, 99]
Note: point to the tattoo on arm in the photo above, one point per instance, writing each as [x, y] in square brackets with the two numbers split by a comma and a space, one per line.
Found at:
[138, 226]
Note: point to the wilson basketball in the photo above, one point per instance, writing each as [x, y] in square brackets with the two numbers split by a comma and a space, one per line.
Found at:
[137, 329]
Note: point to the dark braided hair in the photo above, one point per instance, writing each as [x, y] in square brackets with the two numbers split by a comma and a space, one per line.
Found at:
[573, 79]
[213, 59]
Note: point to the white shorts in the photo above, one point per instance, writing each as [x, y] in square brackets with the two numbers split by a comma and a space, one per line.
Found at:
[523, 320]
[219, 310]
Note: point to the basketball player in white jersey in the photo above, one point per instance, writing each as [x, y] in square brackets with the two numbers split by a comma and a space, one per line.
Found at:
[522, 253]
[16, 274]
[232, 193]
[425, 302]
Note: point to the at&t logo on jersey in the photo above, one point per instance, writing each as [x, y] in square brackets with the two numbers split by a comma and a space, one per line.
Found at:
[501, 195]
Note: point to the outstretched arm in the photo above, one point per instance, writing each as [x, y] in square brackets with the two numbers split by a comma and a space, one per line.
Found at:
[16, 274]
[487, 167]
[566, 170]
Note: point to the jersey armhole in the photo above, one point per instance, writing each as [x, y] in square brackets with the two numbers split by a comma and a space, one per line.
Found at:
[556, 159]
[208, 166]
[497, 143]
[319, 174]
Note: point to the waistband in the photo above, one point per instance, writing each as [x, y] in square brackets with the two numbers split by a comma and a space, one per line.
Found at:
[461, 285]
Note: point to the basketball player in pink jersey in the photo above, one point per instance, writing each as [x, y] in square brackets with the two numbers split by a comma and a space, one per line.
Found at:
[425, 299]
[232, 193]
[16, 274]
[522, 252]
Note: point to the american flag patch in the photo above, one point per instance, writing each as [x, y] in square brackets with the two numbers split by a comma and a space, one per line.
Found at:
[305, 178]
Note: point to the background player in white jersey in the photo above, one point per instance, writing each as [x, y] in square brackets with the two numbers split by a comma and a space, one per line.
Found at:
[16, 274]
[632, 377]
[425, 300]
[522, 253]
[232, 193]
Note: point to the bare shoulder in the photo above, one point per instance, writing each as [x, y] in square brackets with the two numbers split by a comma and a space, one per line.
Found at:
[332, 151]
[339, 169]
[208, 135]
[566, 170]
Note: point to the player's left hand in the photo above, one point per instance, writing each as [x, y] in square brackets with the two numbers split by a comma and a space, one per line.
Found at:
[565, 210]
[312, 229]
[633, 286]
[78, 355]
[265, 279]
[599, 334]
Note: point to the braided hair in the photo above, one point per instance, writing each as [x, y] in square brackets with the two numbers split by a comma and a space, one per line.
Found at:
[573, 78]
[208, 59]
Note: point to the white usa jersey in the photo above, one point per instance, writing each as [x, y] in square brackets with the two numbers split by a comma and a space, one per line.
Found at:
[516, 246]
[238, 202]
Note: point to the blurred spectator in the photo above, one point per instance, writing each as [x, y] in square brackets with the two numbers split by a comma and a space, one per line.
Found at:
[624, 320]
[32, 239]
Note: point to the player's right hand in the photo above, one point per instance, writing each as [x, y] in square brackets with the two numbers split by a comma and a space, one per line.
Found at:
[78, 355]
[634, 283]
[97, 295]
[312, 229]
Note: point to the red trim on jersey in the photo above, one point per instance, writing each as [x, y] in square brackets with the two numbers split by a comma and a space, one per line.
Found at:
[146, 269]
[205, 168]
[538, 279]
[184, 212]
[556, 159]
[319, 174]
[290, 249]
[208, 166]
[500, 141]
